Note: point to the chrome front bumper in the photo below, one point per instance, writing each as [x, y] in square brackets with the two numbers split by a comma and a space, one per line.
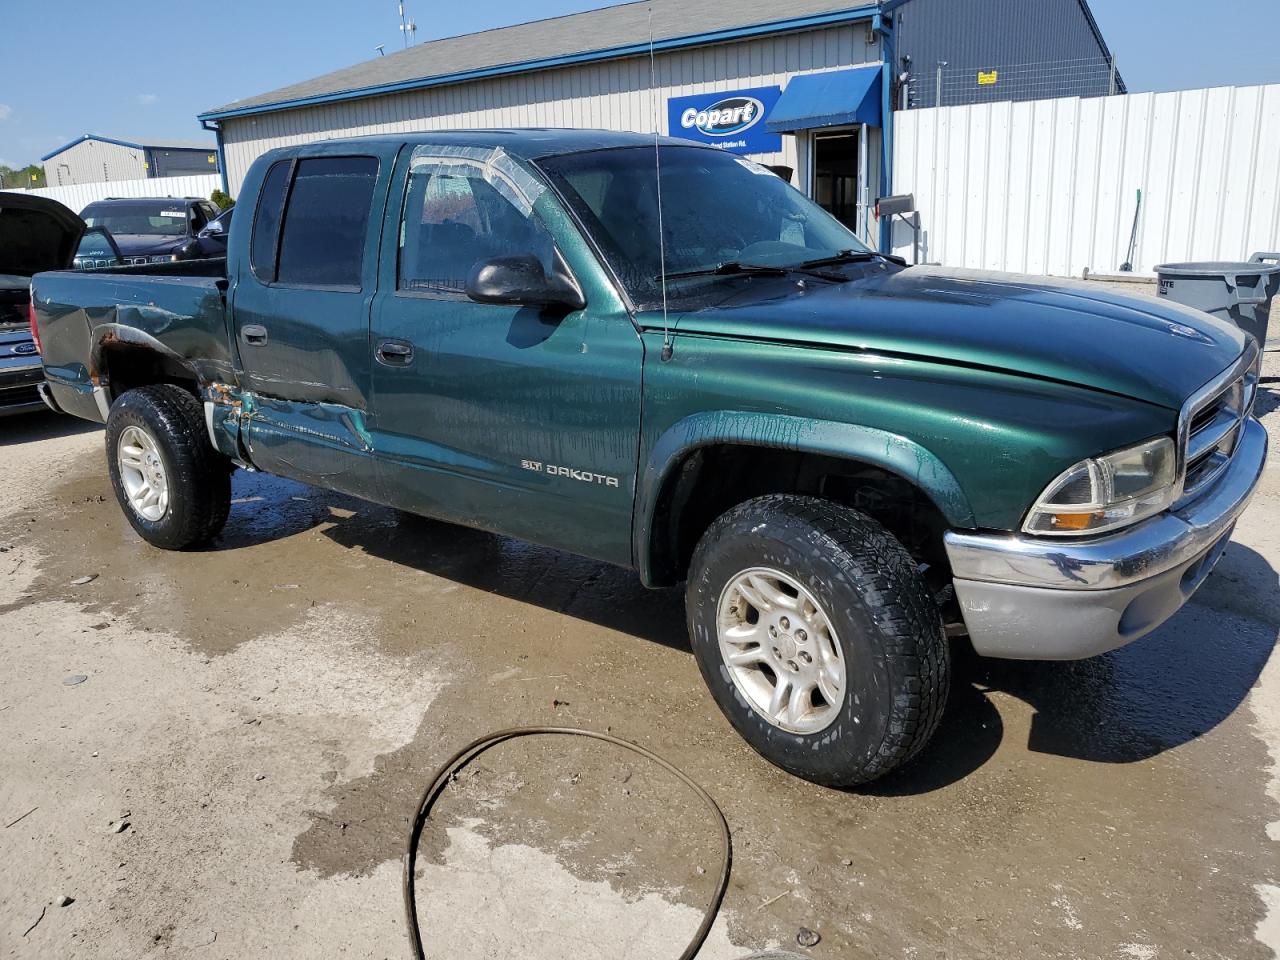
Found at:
[1040, 599]
[20, 377]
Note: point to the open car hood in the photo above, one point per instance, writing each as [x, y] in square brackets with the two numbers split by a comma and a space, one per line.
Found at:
[36, 234]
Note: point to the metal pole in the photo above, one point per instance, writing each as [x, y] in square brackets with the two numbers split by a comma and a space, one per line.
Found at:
[1113, 76]
[938, 101]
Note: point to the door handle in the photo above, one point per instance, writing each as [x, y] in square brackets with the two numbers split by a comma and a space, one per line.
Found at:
[395, 353]
[253, 334]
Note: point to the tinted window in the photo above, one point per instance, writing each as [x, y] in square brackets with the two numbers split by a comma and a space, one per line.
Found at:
[160, 218]
[454, 218]
[266, 224]
[322, 243]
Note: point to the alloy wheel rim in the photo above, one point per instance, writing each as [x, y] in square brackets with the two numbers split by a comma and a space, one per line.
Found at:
[142, 473]
[780, 650]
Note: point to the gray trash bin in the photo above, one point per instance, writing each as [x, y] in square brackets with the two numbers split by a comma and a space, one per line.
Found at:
[1237, 292]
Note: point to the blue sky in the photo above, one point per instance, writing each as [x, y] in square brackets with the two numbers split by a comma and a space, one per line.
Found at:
[145, 71]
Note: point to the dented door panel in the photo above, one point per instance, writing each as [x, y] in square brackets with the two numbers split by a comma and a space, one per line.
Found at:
[303, 342]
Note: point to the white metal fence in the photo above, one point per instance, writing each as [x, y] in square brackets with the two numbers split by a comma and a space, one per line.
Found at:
[78, 196]
[1050, 186]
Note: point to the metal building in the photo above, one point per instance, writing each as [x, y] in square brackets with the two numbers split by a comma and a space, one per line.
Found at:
[974, 51]
[804, 84]
[93, 159]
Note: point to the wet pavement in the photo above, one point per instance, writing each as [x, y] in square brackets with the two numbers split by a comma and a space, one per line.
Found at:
[263, 715]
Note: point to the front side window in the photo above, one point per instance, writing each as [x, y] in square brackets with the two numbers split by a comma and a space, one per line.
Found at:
[326, 222]
[457, 214]
[717, 209]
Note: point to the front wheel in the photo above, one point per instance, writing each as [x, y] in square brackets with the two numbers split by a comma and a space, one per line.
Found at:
[174, 487]
[818, 638]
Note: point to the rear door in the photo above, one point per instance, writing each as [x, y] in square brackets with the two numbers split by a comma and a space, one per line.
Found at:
[300, 313]
[503, 417]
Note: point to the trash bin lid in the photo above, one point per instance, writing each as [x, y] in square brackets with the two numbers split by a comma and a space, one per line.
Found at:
[1221, 268]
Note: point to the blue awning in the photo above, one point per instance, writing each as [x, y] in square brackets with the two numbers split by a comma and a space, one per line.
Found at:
[835, 99]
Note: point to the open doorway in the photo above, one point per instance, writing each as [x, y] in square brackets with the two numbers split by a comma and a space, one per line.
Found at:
[835, 175]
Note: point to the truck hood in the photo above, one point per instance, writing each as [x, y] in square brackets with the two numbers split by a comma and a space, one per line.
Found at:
[1131, 345]
[36, 234]
[146, 244]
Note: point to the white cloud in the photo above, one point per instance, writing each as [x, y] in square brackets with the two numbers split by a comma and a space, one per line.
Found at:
[147, 99]
[6, 111]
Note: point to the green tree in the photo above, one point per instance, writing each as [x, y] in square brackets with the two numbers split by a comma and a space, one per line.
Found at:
[221, 199]
[29, 176]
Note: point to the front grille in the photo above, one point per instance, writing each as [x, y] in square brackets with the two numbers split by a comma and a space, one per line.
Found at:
[19, 396]
[1214, 420]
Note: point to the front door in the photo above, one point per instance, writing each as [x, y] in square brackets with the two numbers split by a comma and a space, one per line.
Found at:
[835, 176]
[301, 306]
[509, 418]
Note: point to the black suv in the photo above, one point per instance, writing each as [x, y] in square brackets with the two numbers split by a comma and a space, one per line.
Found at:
[150, 229]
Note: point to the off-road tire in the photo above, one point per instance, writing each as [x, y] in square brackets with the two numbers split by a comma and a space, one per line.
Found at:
[198, 476]
[889, 631]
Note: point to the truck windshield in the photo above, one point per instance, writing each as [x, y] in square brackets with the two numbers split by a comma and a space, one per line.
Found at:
[725, 219]
[150, 218]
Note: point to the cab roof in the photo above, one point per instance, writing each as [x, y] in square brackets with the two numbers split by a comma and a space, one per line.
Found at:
[530, 143]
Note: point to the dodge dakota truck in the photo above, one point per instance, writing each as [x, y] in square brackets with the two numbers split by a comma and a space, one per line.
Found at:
[689, 369]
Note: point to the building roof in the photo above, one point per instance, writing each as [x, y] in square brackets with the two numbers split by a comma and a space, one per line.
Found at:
[136, 144]
[607, 33]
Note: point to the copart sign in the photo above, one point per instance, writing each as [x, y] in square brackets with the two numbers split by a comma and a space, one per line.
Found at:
[731, 120]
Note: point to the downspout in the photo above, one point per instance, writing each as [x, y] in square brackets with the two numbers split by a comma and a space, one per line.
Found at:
[882, 25]
[222, 157]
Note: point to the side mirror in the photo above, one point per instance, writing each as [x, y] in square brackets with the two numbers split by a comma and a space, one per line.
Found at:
[214, 229]
[521, 280]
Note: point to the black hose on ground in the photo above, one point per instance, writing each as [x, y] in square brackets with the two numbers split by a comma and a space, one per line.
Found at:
[468, 753]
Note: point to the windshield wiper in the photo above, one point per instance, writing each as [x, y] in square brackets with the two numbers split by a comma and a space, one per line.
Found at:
[842, 256]
[737, 268]
[728, 268]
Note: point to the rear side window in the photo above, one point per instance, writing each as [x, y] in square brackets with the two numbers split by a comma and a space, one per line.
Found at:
[266, 222]
[326, 222]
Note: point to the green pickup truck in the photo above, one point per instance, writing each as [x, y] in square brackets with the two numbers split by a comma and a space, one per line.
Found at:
[664, 357]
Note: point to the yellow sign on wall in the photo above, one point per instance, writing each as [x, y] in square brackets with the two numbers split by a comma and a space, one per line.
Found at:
[988, 77]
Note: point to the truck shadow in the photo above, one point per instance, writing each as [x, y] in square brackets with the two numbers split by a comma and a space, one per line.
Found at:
[1130, 705]
[589, 590]
[1124, 707]
[41, 425]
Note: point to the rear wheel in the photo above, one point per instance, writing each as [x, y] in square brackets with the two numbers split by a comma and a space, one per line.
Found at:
[174, 487]
[818, 638]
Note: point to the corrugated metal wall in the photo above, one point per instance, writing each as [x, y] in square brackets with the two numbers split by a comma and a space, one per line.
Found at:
[92, 161]
[1049, 186]
[173, 162]
[614, 95]
[999, 34]
[80, 195]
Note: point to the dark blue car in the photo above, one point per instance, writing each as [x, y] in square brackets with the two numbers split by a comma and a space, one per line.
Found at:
[151, 229]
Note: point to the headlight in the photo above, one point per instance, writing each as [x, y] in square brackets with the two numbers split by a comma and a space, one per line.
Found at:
[1103, 493]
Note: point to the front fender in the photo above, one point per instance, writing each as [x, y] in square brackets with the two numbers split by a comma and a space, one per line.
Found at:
[880, 448]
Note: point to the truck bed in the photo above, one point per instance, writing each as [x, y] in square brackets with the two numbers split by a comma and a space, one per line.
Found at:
[89, 320]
